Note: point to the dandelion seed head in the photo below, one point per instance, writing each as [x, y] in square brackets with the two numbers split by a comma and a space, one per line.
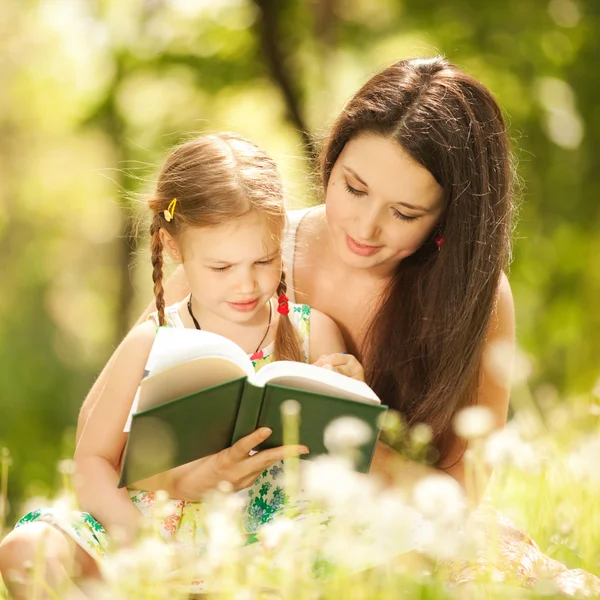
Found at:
[273, 534]
[498, 362]
[583, 462]
[474, 422]
[506, 447]
[151, 560]
[440, 498]
[523, 368]
[66, 467]
[290, 408]
[330, 481]
[421, 435]
[346, 433]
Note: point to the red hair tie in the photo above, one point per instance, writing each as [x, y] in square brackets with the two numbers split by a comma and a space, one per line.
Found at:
[282, 305]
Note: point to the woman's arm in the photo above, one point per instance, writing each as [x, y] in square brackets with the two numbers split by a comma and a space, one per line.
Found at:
[327, 347]
[98, 453]
[325, 336]
[176, 288]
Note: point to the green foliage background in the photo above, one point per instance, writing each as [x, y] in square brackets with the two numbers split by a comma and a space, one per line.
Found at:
[94, 92]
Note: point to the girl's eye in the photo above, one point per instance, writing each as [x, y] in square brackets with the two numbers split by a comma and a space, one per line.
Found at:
[219, 269]
[268, 261]
[354, 191]
[402, 217]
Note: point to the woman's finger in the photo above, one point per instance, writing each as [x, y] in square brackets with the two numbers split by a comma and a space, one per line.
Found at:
[334, 360]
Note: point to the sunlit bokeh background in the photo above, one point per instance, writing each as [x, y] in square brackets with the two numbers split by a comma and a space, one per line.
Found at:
[93, 92]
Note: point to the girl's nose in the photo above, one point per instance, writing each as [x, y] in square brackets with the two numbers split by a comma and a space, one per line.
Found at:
[247, 281]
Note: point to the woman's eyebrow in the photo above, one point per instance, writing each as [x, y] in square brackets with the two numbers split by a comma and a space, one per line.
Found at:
[354, 174]
[405, 204]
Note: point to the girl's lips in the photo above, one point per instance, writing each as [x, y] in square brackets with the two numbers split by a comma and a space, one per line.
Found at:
[361, 249]
[244, 306]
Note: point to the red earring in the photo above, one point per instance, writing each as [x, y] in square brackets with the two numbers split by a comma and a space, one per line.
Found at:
[439, 241]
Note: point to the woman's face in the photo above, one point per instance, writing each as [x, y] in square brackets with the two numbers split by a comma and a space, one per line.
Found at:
[380, 204]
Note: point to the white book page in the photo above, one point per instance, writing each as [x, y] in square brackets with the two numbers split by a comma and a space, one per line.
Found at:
[187, 378]
[174, 346]
[315, 379]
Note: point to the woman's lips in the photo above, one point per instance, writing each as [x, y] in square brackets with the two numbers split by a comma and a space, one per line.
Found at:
[244, 306]
[361, 249]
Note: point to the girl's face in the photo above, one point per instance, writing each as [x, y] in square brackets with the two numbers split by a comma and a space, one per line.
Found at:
[380, 204]
[233, 269]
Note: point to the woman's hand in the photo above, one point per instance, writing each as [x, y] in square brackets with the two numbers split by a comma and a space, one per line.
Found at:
[234, 465]
[343, 363]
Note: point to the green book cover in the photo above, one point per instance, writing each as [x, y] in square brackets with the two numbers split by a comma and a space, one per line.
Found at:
[201, 395]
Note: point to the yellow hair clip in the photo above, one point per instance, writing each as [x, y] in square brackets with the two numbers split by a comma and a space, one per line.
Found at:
[170, 212]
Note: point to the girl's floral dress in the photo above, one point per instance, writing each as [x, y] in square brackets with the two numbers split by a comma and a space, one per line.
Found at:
[181, 521]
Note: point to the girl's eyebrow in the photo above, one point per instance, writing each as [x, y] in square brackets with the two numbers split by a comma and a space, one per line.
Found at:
[405, 204]
[228, 262]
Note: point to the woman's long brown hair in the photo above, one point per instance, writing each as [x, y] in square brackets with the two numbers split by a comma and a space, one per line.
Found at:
[423, 348]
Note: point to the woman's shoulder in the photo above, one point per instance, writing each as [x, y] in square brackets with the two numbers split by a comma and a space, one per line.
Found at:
[302, 217]
[295, 215]
[502, 322]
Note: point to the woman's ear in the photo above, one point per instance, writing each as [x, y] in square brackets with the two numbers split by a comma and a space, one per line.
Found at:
[170, 245]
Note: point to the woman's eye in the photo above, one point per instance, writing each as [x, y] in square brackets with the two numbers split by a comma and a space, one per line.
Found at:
[354, 191]
[219, 269]
[402, 217]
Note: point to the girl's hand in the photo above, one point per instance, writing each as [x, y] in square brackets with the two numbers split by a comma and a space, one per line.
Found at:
[234, 465]
[343, 363]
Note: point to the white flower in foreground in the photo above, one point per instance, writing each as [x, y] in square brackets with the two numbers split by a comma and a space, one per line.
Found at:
[346, 433]
[584, 462]
[276, 532]
[506, 447]
[330, 481]
[474, 422]
[421, 435]
[440, 498]
[499, 361]
[152, 560]
[224, 536]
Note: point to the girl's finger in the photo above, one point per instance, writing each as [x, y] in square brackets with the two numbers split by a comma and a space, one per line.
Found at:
[266, 458]
[242, 448]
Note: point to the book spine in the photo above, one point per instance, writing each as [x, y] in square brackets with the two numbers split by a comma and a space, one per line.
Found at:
[247, 418]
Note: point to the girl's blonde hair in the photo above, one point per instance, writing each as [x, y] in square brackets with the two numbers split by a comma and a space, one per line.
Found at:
[217, 178]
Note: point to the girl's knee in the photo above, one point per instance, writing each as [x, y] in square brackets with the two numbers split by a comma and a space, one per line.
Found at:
[23, 544]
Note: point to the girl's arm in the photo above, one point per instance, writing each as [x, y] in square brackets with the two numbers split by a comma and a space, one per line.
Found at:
[98, 453]
[176, 288]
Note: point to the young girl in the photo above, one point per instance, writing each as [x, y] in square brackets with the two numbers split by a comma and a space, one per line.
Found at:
[218, 209]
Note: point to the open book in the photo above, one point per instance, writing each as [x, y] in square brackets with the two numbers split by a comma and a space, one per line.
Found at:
[200, 394]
